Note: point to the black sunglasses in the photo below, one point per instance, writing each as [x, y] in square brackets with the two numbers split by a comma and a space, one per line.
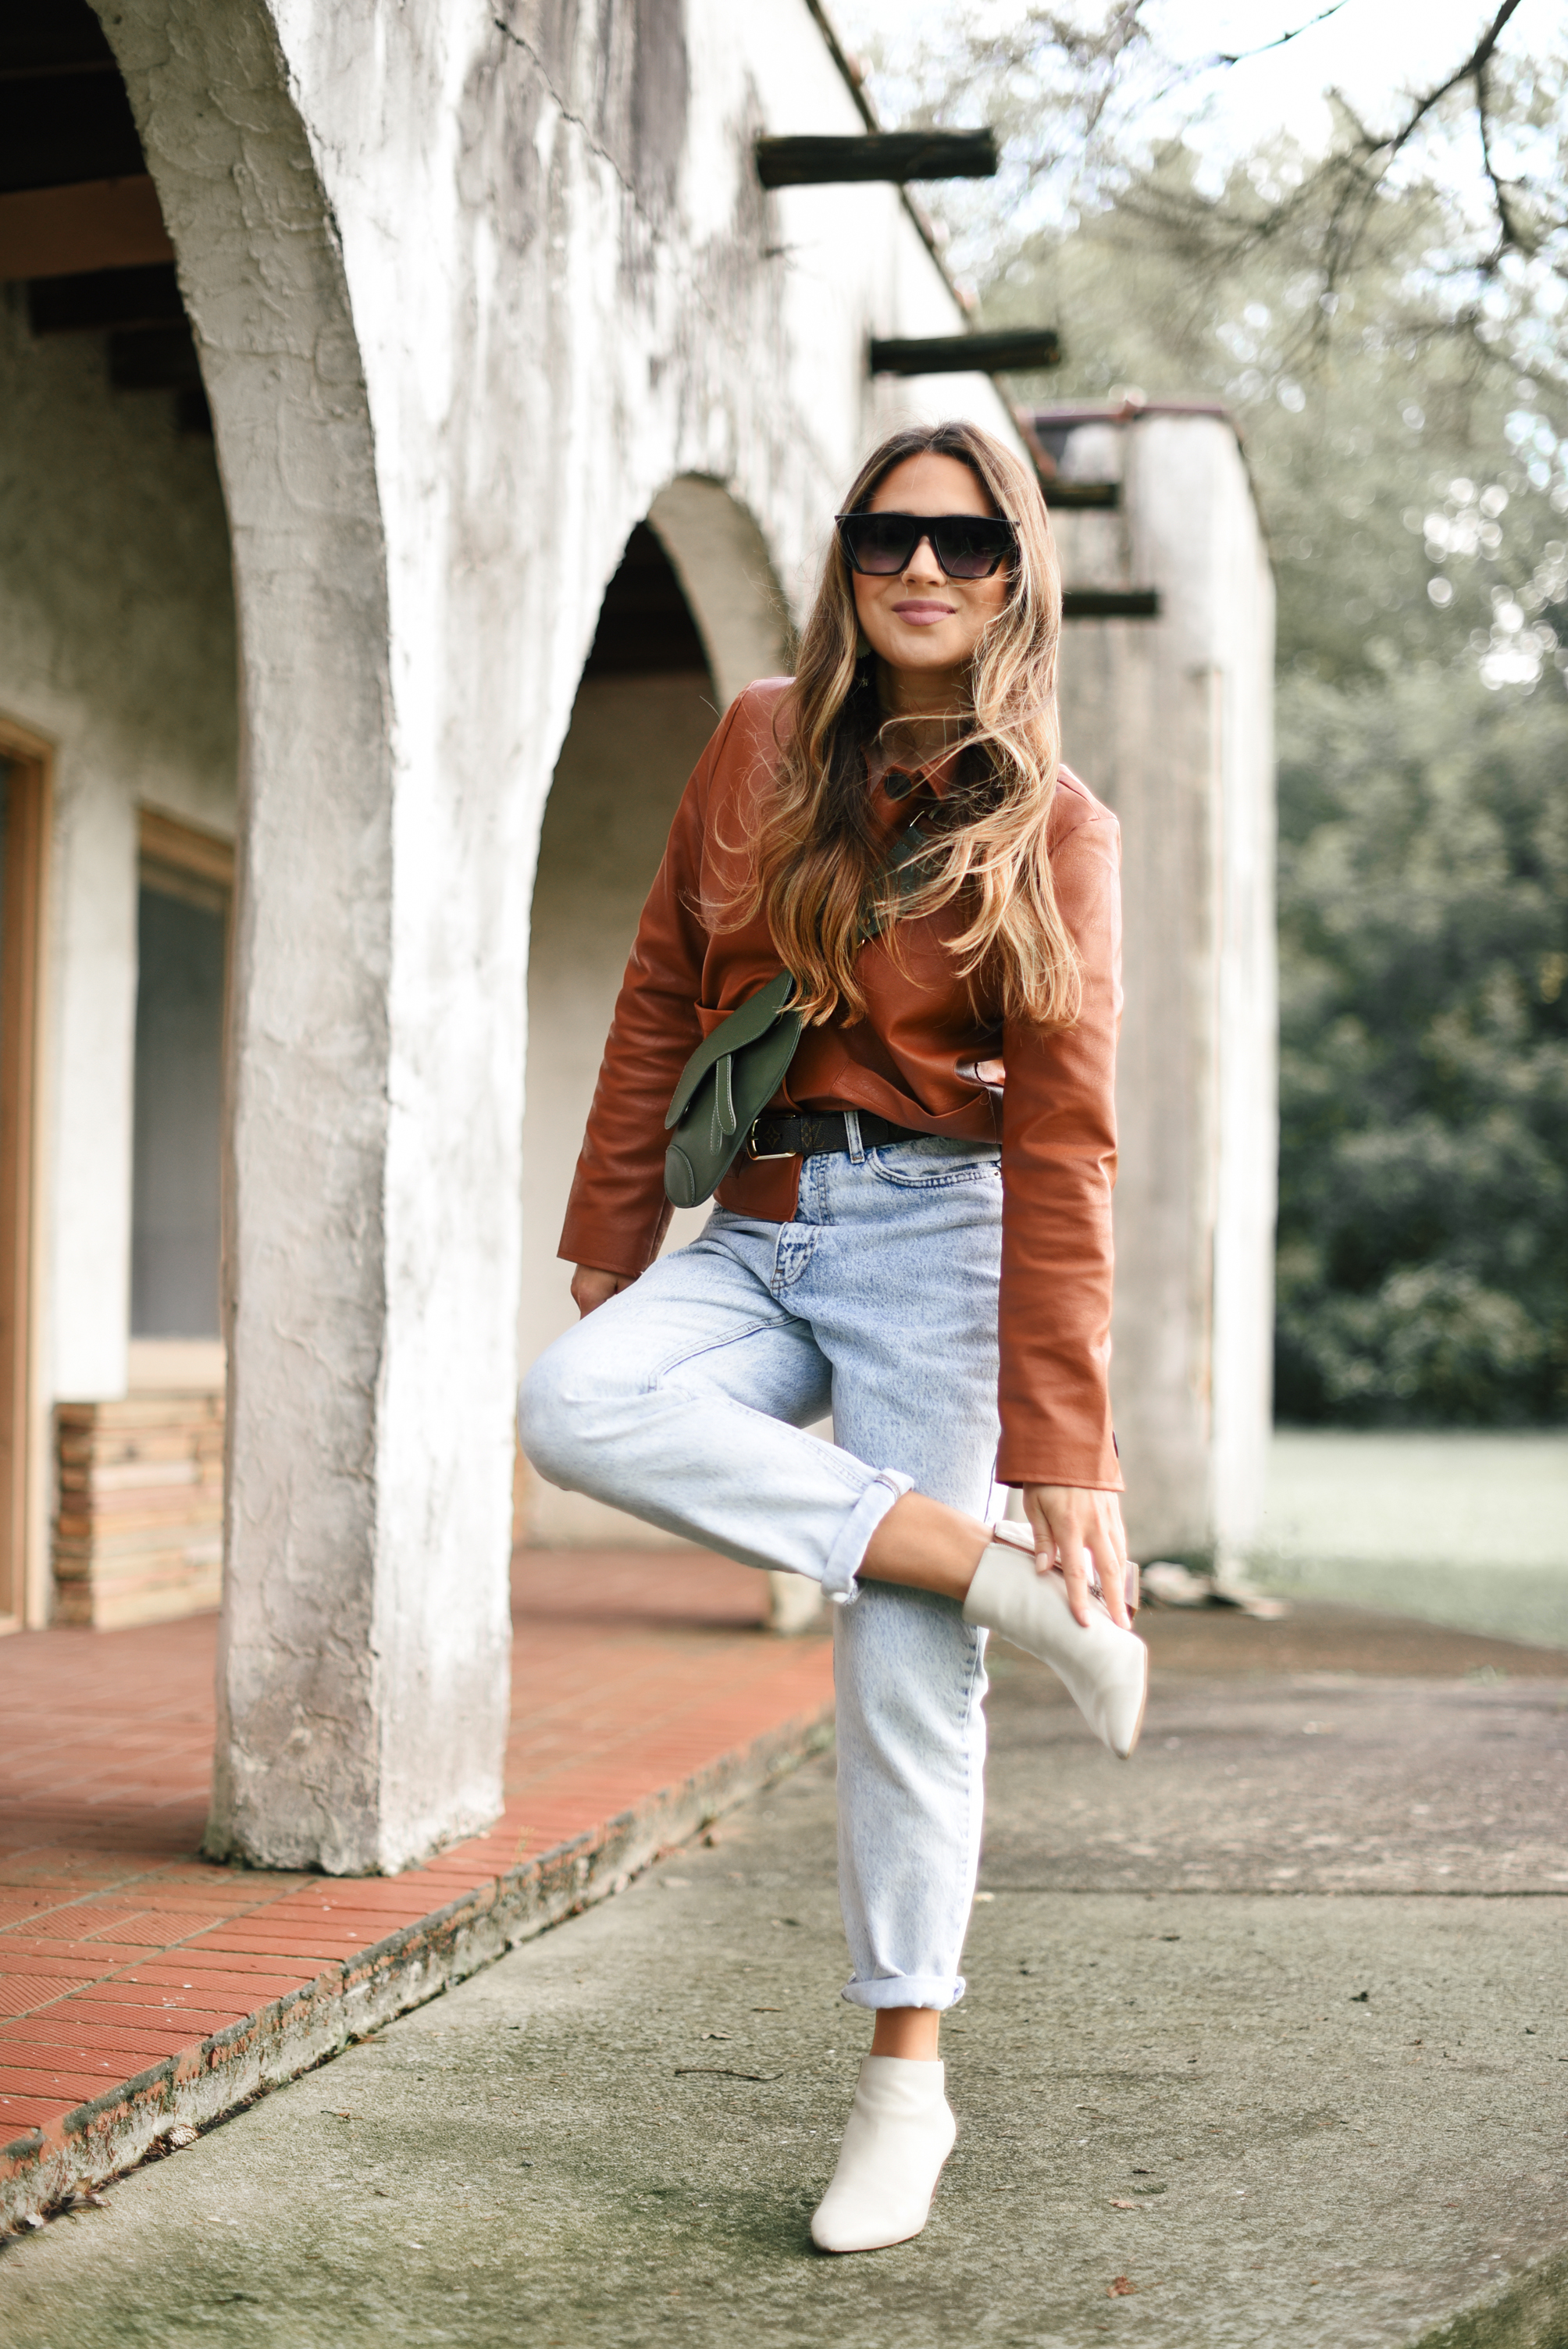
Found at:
[967, 547]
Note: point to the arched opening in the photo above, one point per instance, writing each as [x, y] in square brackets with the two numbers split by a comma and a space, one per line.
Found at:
[644, 709]
[692, 616]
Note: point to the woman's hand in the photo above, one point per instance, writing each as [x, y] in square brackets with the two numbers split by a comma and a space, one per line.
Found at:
[1071, 1524]
[591, 1287]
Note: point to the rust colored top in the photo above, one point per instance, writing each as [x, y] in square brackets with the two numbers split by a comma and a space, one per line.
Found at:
[914, 1059]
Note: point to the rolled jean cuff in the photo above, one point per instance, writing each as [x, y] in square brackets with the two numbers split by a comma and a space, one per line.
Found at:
[844, 1564]
[938, 1990]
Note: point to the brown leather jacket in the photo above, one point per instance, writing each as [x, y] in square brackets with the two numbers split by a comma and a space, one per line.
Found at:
[913, 1060]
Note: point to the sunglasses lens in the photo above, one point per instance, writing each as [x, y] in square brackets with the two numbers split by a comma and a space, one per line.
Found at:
[879, 544]
[970, 546]
[967, 547]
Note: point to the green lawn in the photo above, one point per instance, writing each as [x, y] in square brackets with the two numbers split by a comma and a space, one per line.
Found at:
[1461, 1528]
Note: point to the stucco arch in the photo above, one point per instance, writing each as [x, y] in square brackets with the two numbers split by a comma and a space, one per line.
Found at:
[263, 285]
[718, 554]
[634, 736]
[690, 615]
[643, 709]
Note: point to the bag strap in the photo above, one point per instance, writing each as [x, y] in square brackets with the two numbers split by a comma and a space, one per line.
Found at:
[900, 868]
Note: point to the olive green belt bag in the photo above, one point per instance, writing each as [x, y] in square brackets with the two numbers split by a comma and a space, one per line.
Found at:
[735, 1072]
[724, 1088]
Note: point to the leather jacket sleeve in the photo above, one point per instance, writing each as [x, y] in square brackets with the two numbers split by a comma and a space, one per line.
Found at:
[1058, 1165]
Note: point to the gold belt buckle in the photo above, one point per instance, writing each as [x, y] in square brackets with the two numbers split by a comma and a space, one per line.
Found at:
[758, 1157]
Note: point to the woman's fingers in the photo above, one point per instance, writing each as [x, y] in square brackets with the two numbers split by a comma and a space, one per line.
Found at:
[1059, 1521]
[1076, 1530]
[591, 1287]
[1074, 1559]
[1040, 1526]
[1113, 1590]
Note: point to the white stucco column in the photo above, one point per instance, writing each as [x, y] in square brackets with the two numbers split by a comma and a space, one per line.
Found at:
[376, 1036]
[1170, 720]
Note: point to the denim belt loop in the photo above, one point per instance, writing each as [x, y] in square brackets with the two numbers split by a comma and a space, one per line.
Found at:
[852, 1136]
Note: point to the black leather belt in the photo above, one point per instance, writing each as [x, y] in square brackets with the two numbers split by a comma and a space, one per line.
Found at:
[783, 1133]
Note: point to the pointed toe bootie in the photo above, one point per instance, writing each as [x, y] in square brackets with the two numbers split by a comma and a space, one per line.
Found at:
[899, 2133]
[1104, 1669]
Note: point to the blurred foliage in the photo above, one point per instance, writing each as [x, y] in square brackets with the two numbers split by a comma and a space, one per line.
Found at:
[1412, 483]
[1423, 1236]
[1383, 322]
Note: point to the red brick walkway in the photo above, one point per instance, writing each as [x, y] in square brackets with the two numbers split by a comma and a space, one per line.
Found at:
[122, 1953]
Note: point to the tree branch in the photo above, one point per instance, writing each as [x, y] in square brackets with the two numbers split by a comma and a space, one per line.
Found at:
[1510, 232]
[1240, 56]
[1480, 56]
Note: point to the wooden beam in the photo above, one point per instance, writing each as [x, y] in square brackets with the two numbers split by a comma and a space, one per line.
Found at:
[1081, 497]
[887, 155]
[1073, 496]
[1111, 603]
[1018, 348]
[98, 299]
[92, 224]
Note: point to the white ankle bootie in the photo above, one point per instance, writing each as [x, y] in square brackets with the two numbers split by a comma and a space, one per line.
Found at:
[1104, 1669]
[899, 2133]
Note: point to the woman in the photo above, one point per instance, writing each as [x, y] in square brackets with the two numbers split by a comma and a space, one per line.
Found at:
[916, 1235]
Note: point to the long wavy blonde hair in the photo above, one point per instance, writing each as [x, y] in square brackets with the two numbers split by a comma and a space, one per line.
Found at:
[815, 854]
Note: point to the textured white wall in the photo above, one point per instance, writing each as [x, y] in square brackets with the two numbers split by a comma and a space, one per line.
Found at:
[117, 644]
[470, 286]
[1169, 722]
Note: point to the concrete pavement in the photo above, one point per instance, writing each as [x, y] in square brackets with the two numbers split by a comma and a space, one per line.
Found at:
[1266, 2042]
[143, 1989]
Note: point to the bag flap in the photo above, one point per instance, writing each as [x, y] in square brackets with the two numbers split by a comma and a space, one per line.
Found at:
[759, 1073]
[712, 1135]
[753, 1019]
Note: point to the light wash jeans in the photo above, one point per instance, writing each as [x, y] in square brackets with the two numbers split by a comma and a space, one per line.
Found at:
[686, 1399]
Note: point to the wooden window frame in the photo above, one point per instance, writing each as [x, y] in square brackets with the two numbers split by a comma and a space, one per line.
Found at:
[184, 848]
[23, 1422]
